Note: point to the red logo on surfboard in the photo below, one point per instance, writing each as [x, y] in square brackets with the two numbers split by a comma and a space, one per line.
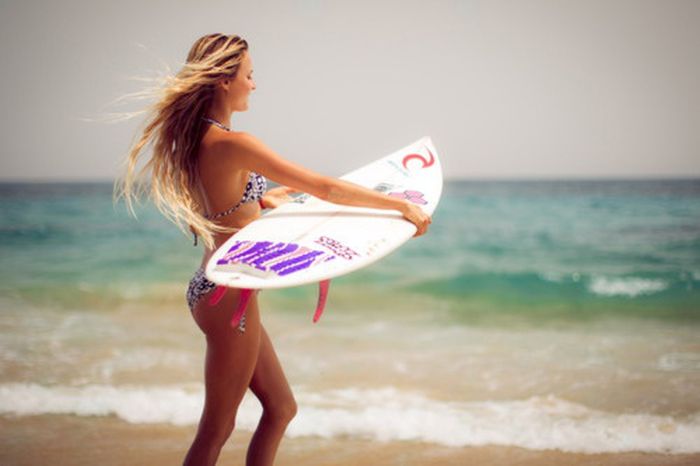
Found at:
[426, 163]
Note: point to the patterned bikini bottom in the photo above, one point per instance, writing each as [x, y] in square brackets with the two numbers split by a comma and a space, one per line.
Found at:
[199, 286]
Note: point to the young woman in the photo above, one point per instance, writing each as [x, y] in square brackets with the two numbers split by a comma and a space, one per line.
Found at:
[210, 178]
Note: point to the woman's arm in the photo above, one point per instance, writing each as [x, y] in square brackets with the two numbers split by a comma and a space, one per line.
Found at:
[252, 154]
[275, 197]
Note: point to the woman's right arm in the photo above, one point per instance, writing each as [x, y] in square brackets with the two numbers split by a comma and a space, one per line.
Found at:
[252, 154]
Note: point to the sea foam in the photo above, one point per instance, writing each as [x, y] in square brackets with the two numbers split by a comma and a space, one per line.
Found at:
[631, 287]
[384, 414]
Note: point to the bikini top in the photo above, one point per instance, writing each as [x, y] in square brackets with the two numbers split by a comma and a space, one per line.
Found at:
[254, 189]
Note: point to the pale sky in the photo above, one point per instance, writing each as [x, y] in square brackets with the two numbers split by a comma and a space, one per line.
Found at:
[506, 89]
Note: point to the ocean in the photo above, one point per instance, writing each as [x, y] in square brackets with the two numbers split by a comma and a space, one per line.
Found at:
[540, 315]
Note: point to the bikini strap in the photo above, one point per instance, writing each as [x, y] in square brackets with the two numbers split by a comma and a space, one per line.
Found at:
[225, 212]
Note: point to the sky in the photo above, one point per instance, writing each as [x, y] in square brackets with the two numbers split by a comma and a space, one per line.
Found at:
[506, 89]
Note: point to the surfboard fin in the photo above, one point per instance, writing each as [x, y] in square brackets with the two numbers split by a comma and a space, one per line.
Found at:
[216, 296]
[246, 293]
[322, 295]
[219, 293]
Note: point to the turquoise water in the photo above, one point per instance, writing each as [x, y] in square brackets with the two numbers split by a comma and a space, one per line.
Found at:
[565, 308]
[558, 249]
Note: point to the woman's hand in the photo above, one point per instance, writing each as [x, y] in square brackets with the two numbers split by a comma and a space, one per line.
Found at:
[415, 215]
[275, 197]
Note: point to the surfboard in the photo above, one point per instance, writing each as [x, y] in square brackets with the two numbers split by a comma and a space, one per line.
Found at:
[310, 240]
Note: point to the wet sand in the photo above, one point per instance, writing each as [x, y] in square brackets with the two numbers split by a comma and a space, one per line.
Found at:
[73, 440]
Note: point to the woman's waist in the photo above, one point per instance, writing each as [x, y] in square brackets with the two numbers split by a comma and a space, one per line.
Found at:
[219, 240]
[221, 237]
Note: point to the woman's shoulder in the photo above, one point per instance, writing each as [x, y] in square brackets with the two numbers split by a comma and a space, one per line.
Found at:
[238, 150]
[221, 142]
[219, 162]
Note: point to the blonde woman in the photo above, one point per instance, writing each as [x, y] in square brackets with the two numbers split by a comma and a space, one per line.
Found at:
[209, 178]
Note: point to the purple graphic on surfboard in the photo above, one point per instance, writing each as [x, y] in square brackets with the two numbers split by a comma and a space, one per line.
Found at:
[278, 257]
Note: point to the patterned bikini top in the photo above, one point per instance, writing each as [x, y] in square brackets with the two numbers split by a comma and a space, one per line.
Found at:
[254, 190]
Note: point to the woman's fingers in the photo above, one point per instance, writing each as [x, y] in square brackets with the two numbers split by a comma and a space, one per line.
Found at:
[423, 226]
[420, 219]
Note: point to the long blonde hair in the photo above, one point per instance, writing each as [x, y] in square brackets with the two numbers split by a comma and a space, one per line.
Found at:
[174, 130]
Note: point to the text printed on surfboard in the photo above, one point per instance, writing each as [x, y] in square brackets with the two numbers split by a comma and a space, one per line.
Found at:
[281, 258]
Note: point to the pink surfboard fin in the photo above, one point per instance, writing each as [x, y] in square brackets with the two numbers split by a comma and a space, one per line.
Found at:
[322, 295]
[216, 296]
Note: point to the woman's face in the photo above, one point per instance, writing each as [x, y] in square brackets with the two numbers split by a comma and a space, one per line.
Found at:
[241, 87]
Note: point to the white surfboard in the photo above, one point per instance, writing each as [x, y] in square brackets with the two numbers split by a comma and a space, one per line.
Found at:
[310, 240]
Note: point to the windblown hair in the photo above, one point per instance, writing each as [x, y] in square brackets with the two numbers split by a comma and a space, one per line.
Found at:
[174, 130]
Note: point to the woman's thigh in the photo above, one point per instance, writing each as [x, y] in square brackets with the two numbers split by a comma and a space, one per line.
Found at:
[231, 355]
[269, 384]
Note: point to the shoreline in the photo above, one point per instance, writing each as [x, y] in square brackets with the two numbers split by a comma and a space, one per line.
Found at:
[65, 439]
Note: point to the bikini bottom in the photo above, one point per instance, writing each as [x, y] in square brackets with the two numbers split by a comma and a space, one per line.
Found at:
[199, 286]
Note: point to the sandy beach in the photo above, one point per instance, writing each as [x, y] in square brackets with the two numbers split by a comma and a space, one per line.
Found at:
[71, 440]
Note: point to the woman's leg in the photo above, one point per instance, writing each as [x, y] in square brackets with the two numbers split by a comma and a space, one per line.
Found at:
[230, 361]
[279, 407]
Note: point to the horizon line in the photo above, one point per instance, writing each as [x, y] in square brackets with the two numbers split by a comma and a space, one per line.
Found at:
[513, 178]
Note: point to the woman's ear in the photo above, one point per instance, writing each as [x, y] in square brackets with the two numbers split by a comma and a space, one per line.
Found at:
[224, 84]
